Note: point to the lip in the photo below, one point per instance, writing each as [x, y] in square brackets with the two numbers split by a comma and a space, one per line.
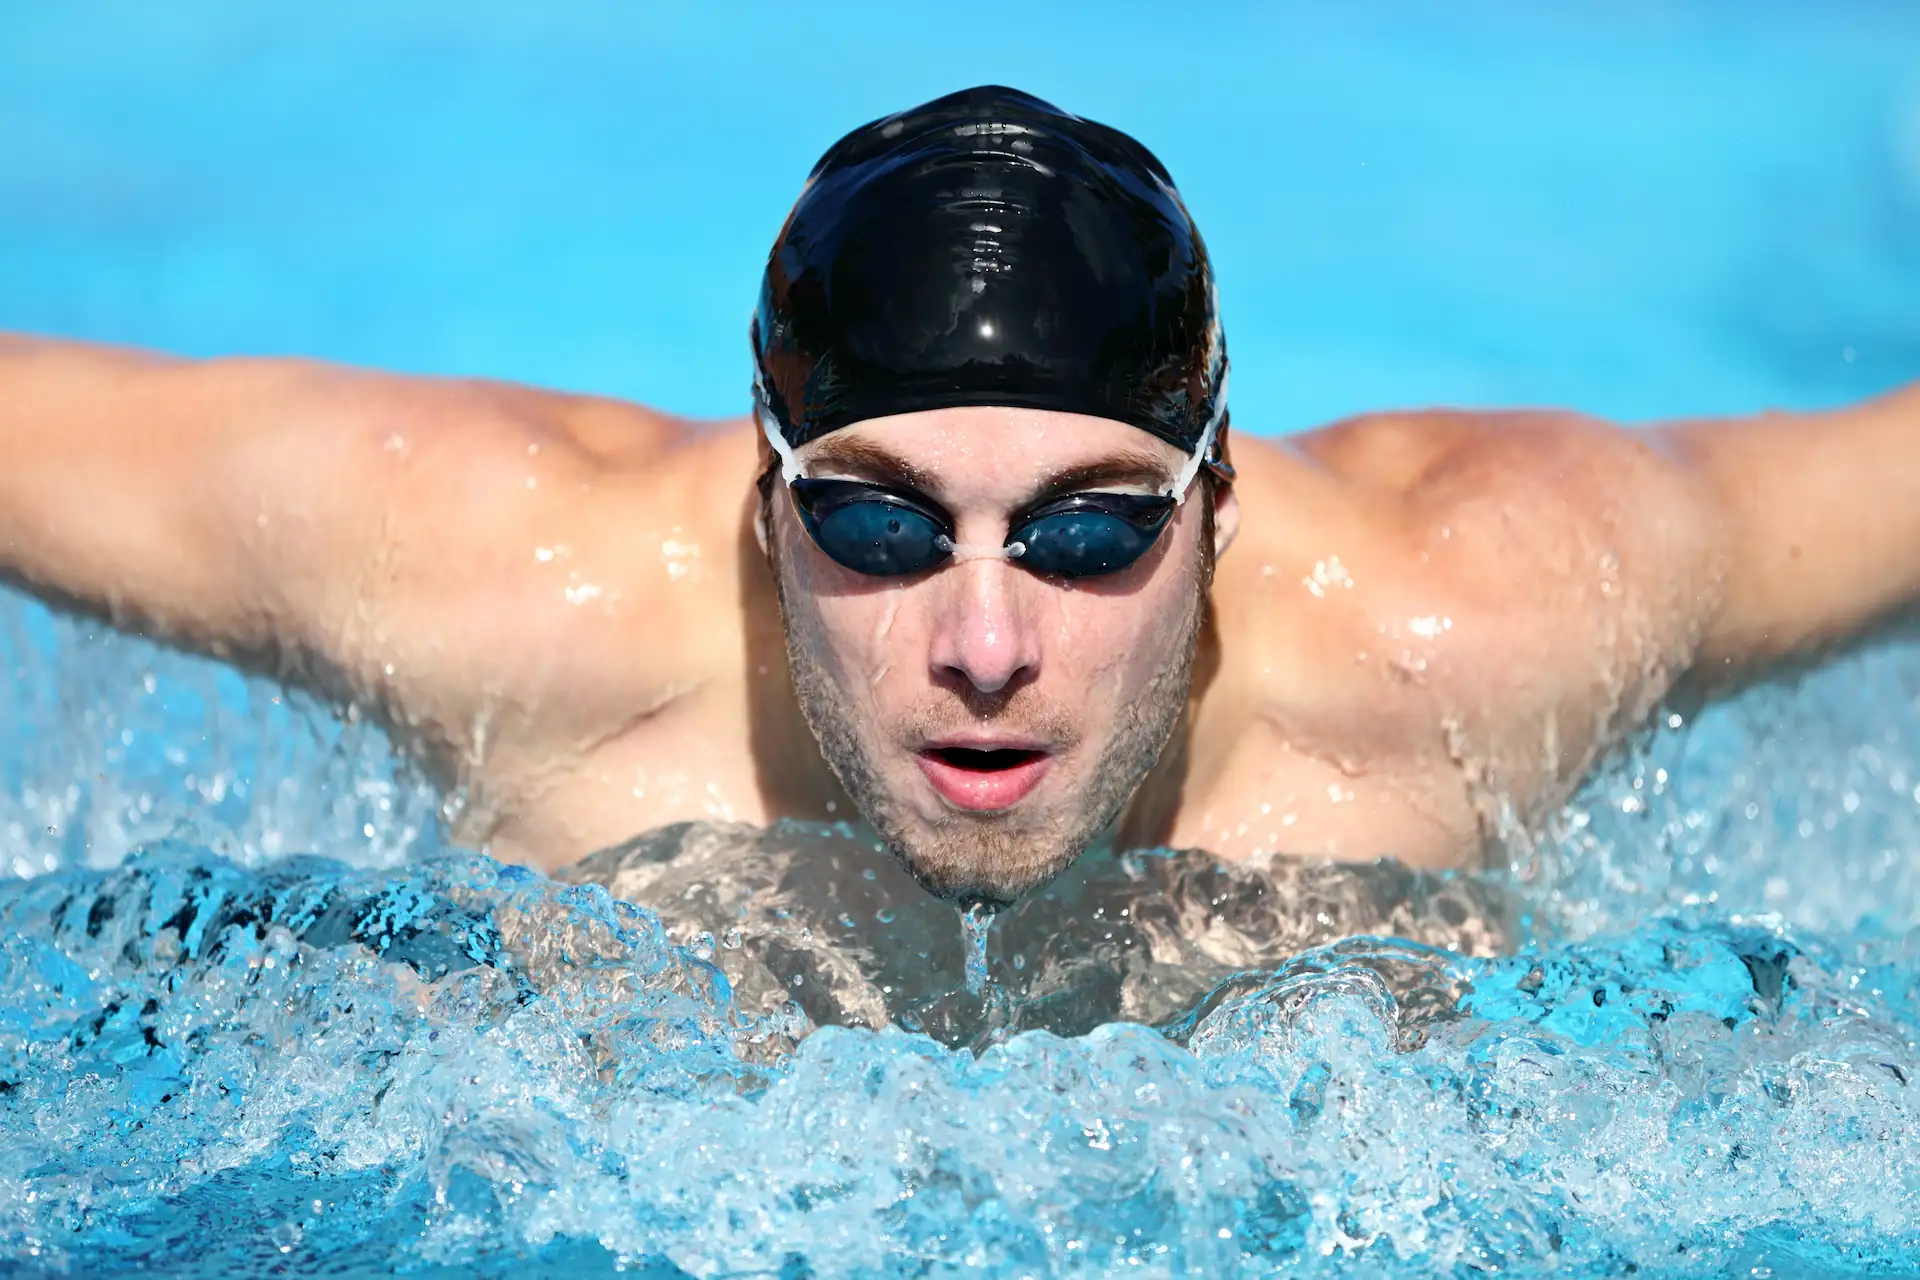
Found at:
[983, 790]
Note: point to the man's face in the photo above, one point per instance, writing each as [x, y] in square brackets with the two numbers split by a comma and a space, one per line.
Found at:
[988, 721]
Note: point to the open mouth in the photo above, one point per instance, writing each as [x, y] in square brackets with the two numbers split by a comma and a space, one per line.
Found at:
[977, 760]
[984, 779]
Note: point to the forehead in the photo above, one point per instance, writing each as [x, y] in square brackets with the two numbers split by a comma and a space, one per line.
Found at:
[988, 451]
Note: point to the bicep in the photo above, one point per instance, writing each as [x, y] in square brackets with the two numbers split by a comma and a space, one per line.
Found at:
[422, 546]
[463, 565]
[396, 538]
[1581, 567]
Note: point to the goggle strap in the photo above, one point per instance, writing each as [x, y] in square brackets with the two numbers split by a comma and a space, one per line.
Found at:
[763, 413]
[790, 465]
[1184, 481]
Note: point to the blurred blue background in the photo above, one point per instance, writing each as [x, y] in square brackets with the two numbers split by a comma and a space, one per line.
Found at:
[1634, 209]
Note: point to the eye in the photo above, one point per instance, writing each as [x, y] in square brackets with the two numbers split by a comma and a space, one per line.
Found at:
[1082, 544]
[880, 538]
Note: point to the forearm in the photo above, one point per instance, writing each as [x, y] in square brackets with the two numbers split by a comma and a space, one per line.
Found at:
[1817, 521]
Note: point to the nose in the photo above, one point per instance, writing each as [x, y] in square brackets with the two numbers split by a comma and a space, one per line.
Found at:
[981, 634]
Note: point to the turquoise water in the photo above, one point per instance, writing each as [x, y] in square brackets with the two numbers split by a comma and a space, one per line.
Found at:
[256, 1017]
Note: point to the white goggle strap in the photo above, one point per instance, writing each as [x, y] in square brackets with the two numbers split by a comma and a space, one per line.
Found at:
[769, 427]
[1184, 481]
[790, 465]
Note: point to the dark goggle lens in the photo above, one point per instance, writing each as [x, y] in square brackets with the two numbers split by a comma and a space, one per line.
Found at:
[1098, 533]
[869, 530]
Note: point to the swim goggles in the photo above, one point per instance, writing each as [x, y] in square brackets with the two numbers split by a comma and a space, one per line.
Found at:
[891, 533]
[884, 532]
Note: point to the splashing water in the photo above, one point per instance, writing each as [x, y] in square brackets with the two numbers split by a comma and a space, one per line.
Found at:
[1682, 1045]
[975, 921]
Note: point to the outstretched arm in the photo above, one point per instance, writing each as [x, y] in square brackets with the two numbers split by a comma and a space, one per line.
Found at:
[1575, 570]
[367, 534]
[1817, 523]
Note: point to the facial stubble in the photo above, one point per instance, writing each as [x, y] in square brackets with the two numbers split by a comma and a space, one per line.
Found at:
[994, 858]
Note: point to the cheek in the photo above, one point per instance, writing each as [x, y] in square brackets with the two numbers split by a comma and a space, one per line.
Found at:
[1109, 647]
[856, 633]
[865, 638]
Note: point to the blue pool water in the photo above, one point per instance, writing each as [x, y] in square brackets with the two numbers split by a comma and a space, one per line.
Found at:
[256, 1017]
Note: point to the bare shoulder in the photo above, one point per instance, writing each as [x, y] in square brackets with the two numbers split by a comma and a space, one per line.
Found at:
[1513, 494]
[512, 566]
[549, 512]
[1440, 456]
[1462, 606]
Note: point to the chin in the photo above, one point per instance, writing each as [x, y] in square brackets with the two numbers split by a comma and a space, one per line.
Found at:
[988, 860]
[967, 884]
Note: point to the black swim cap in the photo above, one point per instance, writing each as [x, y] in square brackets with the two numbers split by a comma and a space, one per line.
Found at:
[987, 248]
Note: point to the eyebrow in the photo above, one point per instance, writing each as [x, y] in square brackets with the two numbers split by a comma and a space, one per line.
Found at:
[1122, 467]
[865, 460]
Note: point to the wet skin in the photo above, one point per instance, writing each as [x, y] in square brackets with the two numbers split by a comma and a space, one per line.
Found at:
[1423, 630]
[989, 720]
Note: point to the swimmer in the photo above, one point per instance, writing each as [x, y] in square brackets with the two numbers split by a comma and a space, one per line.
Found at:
[986, 563]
